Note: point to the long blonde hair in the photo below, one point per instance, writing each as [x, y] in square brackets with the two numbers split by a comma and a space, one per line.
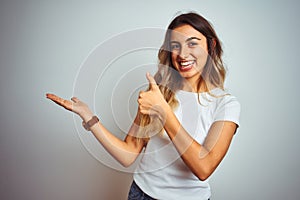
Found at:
[168, 78]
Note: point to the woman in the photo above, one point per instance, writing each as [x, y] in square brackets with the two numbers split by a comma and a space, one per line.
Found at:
[185, 120]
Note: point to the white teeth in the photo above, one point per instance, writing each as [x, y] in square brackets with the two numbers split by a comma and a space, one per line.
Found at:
[186, 63]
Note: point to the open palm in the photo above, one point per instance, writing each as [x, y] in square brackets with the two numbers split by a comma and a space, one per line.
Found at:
[75, 105]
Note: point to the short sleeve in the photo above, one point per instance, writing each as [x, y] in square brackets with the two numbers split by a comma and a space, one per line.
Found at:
[228, 109]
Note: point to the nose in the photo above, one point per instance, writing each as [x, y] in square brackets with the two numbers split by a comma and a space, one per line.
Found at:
[184, 52]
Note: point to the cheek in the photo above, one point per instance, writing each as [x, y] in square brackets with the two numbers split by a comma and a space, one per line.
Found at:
[174, 58]
[201, 58]
[201, 54]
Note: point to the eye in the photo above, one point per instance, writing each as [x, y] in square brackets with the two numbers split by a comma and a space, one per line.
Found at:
[192, 44]
[175, 46]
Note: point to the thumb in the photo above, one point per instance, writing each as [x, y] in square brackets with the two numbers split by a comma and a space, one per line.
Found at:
[152, 81]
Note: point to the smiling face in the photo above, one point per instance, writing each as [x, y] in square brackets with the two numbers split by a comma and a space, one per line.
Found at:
[189, 53]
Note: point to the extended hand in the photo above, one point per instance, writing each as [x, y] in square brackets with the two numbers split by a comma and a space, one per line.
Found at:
[152, 101]
[75, 106]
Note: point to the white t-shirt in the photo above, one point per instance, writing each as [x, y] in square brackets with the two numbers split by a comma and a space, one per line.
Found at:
[161, 173]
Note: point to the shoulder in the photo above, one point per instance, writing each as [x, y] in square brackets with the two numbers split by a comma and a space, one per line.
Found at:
[229, 101]
[224, 98]
[226, 106]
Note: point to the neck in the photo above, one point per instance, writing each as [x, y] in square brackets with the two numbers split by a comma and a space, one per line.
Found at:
[195, 86]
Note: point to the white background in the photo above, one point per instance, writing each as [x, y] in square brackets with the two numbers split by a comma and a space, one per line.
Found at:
[44, 43]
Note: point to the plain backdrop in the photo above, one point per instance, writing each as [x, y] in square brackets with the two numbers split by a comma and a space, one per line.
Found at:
[45, 45]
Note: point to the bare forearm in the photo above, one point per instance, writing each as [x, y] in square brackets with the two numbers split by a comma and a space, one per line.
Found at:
[116, 147]
[192, 153]
[122, 151]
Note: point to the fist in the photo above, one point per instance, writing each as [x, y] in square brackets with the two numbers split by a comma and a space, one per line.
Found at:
[152, 102]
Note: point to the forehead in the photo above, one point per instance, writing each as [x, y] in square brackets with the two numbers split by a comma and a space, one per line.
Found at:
[184, 32]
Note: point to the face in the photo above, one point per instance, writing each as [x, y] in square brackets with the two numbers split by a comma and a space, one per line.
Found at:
[189, 52]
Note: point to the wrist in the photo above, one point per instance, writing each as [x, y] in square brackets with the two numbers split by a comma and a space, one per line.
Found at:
[86, 116]
[87, 125]
[164, 111]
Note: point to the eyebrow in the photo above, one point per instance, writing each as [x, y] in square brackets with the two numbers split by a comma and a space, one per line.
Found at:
[189, 39]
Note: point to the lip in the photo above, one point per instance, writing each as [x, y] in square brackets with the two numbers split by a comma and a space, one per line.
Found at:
[186, 65]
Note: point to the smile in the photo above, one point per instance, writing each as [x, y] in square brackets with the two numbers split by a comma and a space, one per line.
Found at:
[186, 65]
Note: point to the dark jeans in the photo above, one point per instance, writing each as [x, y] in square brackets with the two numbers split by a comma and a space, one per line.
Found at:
[135, 193]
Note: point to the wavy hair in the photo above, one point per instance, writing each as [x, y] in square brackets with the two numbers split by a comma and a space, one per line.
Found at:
[169, 80]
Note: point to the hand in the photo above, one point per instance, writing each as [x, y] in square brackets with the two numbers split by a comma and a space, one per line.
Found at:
[75, 106]
[152, 101]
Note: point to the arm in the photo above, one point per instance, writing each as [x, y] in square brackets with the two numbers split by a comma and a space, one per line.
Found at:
[201, 159]
[125, 152]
